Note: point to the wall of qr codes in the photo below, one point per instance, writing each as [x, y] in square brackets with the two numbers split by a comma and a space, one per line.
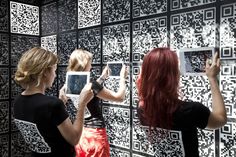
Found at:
[120, 30]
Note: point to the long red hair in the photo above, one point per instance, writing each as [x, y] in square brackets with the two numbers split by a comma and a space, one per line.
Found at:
[158, 86]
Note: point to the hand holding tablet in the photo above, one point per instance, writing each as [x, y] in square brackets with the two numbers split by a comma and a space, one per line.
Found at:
[193, 60]
[75, 82]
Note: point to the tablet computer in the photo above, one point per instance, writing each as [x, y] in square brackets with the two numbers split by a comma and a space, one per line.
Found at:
[75, 82]
[193, 60]
[114, 68]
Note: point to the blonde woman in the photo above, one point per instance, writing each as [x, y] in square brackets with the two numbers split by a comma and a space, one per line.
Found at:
[94, 140]
[43, 120]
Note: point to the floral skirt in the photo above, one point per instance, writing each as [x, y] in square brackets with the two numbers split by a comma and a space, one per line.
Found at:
[93, 143]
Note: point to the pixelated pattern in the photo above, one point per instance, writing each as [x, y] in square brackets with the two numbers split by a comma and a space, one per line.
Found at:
[228, 88]
[49, 43]
[67, 15]
[148, 34]
[228, 139]
[193, 29]
[148, 7]
[4, 140]
[91, 40]
[115, 10]
[227, 31]
[179, 4]
[20, 44]
[116, 43]
[118, 153]
[67, 43]
[4, 83]
[171, 145]
[206, 143]
[32, 136]
[117, 122]
[89, 13]
[195, 88]
[135, 72]
[24, 18]
[49, 19]
[4, 116]
[15, 88]
[18, 146]
[4, 49]
[61, 76]
[4, 15]
[114, 84]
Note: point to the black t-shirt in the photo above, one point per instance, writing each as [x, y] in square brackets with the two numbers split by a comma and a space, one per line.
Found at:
[37, 117]
[189, 117]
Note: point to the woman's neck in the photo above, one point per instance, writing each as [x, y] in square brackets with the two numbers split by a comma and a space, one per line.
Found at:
[30, 90]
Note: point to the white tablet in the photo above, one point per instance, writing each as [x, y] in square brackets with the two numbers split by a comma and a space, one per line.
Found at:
[75, 82]
[114, 68]
[193, 60]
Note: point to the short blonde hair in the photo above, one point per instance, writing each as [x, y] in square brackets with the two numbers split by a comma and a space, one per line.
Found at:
[33, 64]
[79, 59]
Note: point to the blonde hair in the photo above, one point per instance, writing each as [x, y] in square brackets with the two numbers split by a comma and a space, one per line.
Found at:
[33, 64]
[79, 59]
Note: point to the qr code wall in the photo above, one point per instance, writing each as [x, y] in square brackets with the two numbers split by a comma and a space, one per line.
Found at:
[120, 30]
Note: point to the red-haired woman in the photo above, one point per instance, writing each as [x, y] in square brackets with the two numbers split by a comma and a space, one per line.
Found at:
[160, 106]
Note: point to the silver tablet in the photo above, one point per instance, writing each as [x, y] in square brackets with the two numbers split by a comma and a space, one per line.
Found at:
[75, 82]
[114, 68]
[193, 60]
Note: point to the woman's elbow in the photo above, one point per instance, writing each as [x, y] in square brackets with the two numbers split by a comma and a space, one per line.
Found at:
[75, 141]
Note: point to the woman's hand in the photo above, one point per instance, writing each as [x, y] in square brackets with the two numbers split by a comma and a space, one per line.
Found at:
[213, 67]
[86, 95]
[123, 72]
[62, 94]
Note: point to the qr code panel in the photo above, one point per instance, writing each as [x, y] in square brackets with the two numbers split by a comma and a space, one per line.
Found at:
[113, 84]
[4, 16]
[67, 15]
[4, 83]
[4, 140]
[49, 43]
[118, 153]
[116, 43]
[4, 49]
[193, 29]
[206, 143]
[178, 4]
[227, 31]
[135, 72]
[228, 90]
[89, 13]
[91, 40]
[4, 117]
[20, 44]
[196, 88]
[24, 18]
[115, 10]
[228, 140]
[144, 7]
[49, 19]
[148, 34]
[117, 122]
[67, 43]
